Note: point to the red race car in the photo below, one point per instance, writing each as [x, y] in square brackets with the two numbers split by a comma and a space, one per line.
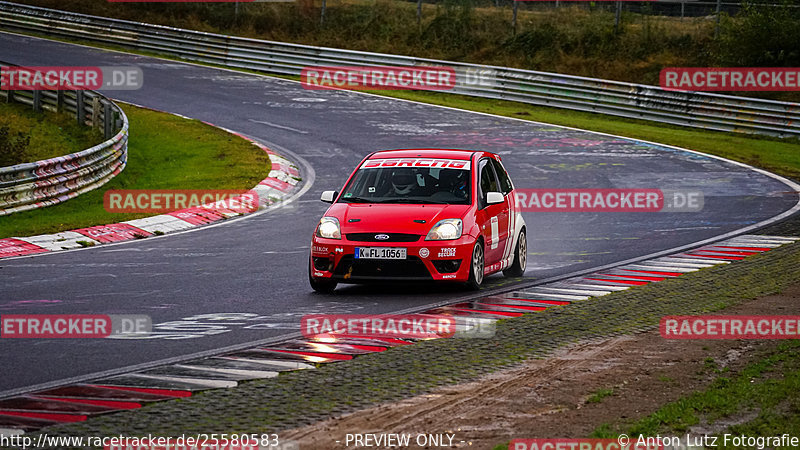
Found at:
[420, 214]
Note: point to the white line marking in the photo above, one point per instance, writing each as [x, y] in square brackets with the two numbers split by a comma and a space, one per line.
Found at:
[591, 293]
[252, 374]
[555, 296]
[597, 286]
[671, 268]
[200, 382]
[282, 127]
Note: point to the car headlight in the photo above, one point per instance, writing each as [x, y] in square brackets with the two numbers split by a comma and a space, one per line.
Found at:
[329, 228]
[445, 230]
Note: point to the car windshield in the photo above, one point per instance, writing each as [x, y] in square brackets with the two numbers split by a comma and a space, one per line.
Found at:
[374, 183]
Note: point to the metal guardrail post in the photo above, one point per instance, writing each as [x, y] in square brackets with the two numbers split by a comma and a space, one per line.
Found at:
[80, 113]
[96, 112]
[37, 101]
[59, 101]
[108, 120]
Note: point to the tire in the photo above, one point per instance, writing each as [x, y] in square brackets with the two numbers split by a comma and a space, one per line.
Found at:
[517, 268]
[476, 266]
[321, 286]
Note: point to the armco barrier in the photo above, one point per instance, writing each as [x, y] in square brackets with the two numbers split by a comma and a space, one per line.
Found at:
[50, 181]
[692, 109]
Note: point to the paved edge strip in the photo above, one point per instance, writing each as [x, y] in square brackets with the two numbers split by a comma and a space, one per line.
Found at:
[284, 177]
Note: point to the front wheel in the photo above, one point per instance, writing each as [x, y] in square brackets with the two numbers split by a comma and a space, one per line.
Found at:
[476, 267]
[321, 286]
[517, 268]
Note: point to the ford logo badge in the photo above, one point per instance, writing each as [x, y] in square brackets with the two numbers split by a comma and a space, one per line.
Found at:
[381, 237]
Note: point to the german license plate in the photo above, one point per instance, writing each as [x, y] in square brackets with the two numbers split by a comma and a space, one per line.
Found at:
[380, 253]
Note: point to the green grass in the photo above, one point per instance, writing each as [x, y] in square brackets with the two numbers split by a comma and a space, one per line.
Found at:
[768, 389]
[599, 395]
[50, 134]
[164, 152]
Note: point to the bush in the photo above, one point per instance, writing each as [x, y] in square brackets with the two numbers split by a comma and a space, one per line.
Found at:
[13, 149]
[762, 35]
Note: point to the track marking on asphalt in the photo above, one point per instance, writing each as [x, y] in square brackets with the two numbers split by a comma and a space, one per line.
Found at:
[275, 125]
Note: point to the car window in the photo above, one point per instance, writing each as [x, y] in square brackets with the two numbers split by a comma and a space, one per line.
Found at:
[438, 182]
[488, 181]
[502, 177]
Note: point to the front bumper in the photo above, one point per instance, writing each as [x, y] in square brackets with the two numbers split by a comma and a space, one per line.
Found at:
[334, 259]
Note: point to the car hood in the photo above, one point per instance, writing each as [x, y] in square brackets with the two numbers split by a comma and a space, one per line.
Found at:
[392, 218]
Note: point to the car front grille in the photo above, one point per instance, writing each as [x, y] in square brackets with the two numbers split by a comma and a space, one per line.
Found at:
[380, 269]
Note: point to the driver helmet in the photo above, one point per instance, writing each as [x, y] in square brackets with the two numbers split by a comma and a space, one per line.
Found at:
[403, 181]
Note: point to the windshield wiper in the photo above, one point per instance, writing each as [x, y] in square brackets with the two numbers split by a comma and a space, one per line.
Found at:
[413, 201]
[357, 200]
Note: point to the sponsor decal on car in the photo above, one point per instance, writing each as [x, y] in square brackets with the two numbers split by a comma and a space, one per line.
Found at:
[447, 252]
[416, 162]
[424, 252]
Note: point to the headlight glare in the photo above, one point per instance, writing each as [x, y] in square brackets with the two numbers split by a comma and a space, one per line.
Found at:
[445, 230]
[329, 228]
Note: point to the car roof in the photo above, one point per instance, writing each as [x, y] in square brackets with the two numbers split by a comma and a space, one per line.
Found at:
[425, 153]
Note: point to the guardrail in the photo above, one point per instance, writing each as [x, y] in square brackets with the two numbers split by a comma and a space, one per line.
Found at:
[692, 109]
[50, 181]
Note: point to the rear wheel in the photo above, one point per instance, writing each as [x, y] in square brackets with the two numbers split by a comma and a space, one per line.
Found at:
[476, 267]
[322, 286]
[517, 268]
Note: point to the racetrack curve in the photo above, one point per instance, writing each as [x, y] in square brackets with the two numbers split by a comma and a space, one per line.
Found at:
[258, 264]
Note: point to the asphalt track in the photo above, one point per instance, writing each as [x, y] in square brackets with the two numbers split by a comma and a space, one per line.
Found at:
[256, 267]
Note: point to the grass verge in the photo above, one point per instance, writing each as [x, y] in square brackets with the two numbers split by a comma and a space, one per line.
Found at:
[763, 400]
[50, 134]
[164, 152]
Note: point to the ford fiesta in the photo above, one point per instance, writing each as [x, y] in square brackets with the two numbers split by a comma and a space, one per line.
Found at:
[416, 215]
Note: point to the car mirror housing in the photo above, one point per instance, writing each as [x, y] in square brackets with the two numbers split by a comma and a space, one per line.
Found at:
[328, 196]
[493, 198]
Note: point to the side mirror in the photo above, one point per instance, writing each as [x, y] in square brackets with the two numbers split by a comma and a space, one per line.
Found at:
[493, 198]
[328, 196]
